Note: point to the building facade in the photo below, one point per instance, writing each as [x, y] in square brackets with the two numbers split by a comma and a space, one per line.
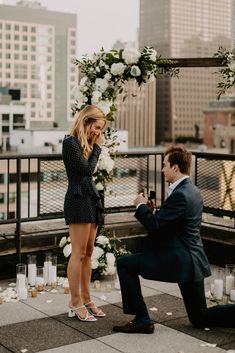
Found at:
[37, 48]
[181, 29]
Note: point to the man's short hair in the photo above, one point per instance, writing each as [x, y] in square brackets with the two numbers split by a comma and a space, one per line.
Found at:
[180, 156]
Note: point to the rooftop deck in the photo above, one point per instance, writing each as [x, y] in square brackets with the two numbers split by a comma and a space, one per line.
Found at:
[41, 325]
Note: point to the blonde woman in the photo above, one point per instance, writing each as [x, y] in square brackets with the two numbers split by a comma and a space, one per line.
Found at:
[82, 206]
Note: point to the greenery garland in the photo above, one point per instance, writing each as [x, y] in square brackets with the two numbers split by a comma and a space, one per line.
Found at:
[227, 72]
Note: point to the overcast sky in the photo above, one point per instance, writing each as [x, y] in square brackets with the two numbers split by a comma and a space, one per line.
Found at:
[99, 22]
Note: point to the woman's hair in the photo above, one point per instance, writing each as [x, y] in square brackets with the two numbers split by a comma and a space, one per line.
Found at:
[84, 119]
[180, 156]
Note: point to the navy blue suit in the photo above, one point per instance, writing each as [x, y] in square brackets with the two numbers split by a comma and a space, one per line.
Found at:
[173, 252]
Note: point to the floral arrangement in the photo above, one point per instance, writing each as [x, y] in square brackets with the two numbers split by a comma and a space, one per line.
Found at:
[104, 256]
[104, 74]
[227, 72]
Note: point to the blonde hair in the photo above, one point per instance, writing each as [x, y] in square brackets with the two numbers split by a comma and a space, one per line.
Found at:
[84, 119]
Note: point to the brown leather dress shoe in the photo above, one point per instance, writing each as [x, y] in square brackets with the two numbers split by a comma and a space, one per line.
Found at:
[133, 327]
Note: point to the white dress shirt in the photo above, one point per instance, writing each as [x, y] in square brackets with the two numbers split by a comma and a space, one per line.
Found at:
[173, 185]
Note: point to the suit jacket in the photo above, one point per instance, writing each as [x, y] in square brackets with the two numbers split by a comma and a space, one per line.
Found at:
[173, 250]
[79, 170]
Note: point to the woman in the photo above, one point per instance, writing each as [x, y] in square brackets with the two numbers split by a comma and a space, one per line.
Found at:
[82, 206]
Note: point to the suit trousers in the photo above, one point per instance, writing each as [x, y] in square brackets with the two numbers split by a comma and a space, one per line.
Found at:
[193, 294]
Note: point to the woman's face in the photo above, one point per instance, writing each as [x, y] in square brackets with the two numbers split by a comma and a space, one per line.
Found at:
[95, 129]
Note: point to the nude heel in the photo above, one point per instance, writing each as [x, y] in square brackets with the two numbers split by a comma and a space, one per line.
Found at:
[75, 312]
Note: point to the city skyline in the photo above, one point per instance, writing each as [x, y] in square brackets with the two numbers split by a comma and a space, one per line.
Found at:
[122, 17]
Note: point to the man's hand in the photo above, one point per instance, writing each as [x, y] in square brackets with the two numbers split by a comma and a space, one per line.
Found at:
[140, 199]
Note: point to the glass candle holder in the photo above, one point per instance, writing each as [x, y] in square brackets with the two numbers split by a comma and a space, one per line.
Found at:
[52, 276]
[20, 276]
[229, 278]
[32, 269]
[218, 284]
[46, 267]
[40, 279]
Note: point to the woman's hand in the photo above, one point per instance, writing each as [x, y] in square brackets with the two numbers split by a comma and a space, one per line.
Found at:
[99, 138]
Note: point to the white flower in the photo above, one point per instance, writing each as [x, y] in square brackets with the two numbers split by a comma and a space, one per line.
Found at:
[104, 106]
[110, 258]
[152, 54]
[99, 186]
[94, 264]
[232, 66]
[67, 250]
[135, 71]
[101, 84]
[105, 162]
[130, 55]
[97, 253]
[96, 97]
[83, 81]
[101, 239]
[107, 76]
[117, 69]
[63, 241]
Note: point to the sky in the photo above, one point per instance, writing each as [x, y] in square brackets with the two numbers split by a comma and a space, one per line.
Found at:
[99, 22]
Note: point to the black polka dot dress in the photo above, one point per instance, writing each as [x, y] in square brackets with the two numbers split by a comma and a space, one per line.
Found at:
[82, 202]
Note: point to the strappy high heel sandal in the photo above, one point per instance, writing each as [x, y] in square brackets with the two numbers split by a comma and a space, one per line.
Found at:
[93, 309]
[75, 311]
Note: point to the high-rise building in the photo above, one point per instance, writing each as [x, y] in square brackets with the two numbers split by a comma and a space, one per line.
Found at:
[181, 29]
[37, 48]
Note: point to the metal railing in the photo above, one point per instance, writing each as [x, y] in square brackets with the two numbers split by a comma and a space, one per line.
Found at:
[32, 188]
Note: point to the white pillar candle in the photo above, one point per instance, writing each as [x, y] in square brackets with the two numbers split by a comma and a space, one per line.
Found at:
[218, 288]
[229, 283]
[232, 295]
[52, 274]
[32, 269]
[20, 279]
[46, 270]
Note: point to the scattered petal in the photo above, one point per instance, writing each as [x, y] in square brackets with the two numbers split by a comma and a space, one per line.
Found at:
[49, 301]
[169, 313]
[12, 284]
[103, 297]
[208, 345]
[153, 309]
[53, 291]
[207, 329]
[24, 350]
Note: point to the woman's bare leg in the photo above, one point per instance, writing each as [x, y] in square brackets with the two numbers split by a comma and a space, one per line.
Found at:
[86, 271]
[79, 235]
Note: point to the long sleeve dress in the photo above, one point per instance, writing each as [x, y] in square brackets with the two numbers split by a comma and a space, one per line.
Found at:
[82, 202]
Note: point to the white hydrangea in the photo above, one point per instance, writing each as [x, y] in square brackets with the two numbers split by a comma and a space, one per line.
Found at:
[63, 241]
[104, 106]
[101, 84]
[96, 95]
[117, 69]
[97, 253]
[131, 55]
[232, 66]
[67, 250]
[110, 258]
[105, 161]
[101, 239]
[94, 264]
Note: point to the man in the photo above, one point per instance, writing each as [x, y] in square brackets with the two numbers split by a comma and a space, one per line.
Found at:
[173, 252]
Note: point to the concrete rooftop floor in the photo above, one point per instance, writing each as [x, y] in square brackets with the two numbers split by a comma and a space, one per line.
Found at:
[41, 325]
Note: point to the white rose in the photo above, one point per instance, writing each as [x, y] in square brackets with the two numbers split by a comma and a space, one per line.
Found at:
[130, 55]
[106, 163]
[96, 95]
[117, 69]
[67, 250]
[104, 106]
[101, 84]
[99, 186]
[63, 241]
[83, 81]
[101, 239]
[94, 264]
[135, 71]
[107, 76]
[110, 258]
[97, 252]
